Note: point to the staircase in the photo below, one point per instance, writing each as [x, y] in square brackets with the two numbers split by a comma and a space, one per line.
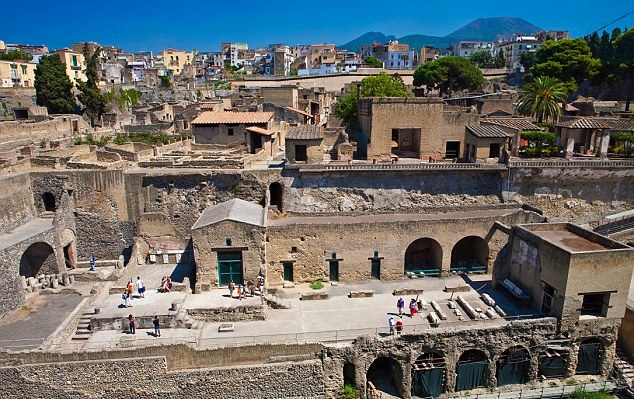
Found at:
[83, 331]
[626, 371]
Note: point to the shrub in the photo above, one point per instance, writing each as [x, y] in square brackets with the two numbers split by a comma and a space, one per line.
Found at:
[580, 394]
[349, 392]
[316, 285]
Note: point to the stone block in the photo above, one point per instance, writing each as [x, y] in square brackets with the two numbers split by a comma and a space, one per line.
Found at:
[361, 294]
[407, 291]
[312, 296]
[457, 288]
[31, 281]
[55, 283]
[24, 282]
[226, 327]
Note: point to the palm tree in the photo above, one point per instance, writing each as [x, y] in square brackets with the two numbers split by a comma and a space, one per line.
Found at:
[540, 99]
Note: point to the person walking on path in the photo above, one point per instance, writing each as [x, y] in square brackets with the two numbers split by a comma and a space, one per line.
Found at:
[400, 304]
[232, 287]
[157, 326]
[390, 323]
[240, 291]
[92, 263]
[140, 286]
[399, 326]
[412, 307]
[132, 321]
[126, 299]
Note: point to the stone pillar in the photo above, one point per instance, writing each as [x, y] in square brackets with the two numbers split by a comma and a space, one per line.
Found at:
[605, 142]
[570, 148]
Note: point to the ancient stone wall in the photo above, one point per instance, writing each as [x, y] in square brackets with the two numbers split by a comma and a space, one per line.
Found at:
[17, 201]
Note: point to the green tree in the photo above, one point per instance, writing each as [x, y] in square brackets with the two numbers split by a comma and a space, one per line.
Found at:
[623, 62]
[539, 142]
[373, 62]
[53, 88]
[540, 99]
[16, 55]
[381, 85]
[448, 74]
[500, 61]
[566, 60]
[527, 60]
[91, 98]
[482, 59]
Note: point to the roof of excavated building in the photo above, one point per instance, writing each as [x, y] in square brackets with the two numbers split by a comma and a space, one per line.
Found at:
[305, 132]
[486, 131]
[236, 210]
[211, 118]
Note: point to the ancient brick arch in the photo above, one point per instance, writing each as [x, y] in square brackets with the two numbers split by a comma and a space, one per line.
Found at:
[276, 195]
[513, 366]
[38, 258]
[470, 252]
[423, 254]
[385, 374]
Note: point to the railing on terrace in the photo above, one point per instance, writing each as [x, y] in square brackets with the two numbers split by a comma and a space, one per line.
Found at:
[558, 391]
[393, 166]
[562, 163]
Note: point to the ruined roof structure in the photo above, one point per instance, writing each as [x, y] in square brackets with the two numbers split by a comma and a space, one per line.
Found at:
[236, 209]
[211, 117]
[305, 132]
[486, 131]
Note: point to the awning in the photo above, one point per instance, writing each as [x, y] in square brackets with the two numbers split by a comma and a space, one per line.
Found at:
[259, 130]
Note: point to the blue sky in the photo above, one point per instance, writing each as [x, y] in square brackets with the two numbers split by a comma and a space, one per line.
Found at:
[204, 24]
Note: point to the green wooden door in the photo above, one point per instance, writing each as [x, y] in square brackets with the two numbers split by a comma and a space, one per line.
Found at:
[334, 270]
[230, 267]
[376, 269]
[288, 271]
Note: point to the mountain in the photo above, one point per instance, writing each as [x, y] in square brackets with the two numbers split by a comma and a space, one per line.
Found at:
[487, 28]
[366, 38]
[481, 29]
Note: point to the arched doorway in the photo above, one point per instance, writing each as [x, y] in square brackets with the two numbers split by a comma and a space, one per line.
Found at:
[38, 258]
[588, 357]
[276, 193]
[49, 202]
[471, 254]
[424, 256]
[348, 375]
[385, 375]
[471, 370]
[512, 366]
[428, 375]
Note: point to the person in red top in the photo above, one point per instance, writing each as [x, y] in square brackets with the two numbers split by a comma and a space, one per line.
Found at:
[399, 326]
[412, 307]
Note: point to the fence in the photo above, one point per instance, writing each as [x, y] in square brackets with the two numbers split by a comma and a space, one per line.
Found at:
[545, 392]
[560, 163]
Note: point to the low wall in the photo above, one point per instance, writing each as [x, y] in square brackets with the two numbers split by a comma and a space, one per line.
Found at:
[229, 314]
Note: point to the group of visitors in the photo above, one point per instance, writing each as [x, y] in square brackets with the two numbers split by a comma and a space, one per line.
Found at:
[132, 325]
[166, 284]
[242, 290]
[127, 292]
[414, 306]
[395, 325]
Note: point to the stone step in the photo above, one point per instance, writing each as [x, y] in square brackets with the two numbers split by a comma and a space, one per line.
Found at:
[85, 319]
[83, 326]
[80, 338]
[83, 332]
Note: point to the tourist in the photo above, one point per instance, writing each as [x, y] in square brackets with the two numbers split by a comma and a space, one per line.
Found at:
[126, 299]
[400, 304]
[390, 323]
[132, 321]
[399, 326]
[92, 263]
[140, 286]
[413, 309]
[166, 284]
[240, 291]
[261, 285]
[157, 326]
[129, 288]
[232, 287]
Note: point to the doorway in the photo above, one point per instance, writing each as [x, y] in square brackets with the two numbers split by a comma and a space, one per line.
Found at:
[300, 153]
[230, 267]
[452, 149]
[288, 271]
[376, 269]
[333, 272]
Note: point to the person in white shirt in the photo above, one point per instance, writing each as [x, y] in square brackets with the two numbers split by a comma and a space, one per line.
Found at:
[140, 286]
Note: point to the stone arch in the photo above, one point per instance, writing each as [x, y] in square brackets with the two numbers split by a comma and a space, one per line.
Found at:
[69, 246]
[589, 356]
[471, 370]
[471, 252]
[50, 204]
[423, 254]
[428, 374]
[553, 362]
[385, 374]
[38, 258]
[276, 193]
[512, 366]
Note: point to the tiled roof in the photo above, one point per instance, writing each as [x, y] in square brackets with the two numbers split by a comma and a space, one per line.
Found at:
[305, 132]
[585, 123]
[259, 130]
[486, 131]
[210, 117]
[236, 210]
[621, 124]
[299, 111]
[513, 123]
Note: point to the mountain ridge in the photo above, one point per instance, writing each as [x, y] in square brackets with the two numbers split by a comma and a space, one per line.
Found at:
[484, 29]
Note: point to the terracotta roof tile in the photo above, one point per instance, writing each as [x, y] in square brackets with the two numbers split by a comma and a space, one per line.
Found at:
[210, 117]
[299, 111]
[585, 123]
[259, 130]
[513, 123]
[305, 132]
[487, 131]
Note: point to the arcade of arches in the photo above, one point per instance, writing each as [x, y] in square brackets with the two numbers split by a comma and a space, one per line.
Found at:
[38, 258]
[469, 254]
[474, 369]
